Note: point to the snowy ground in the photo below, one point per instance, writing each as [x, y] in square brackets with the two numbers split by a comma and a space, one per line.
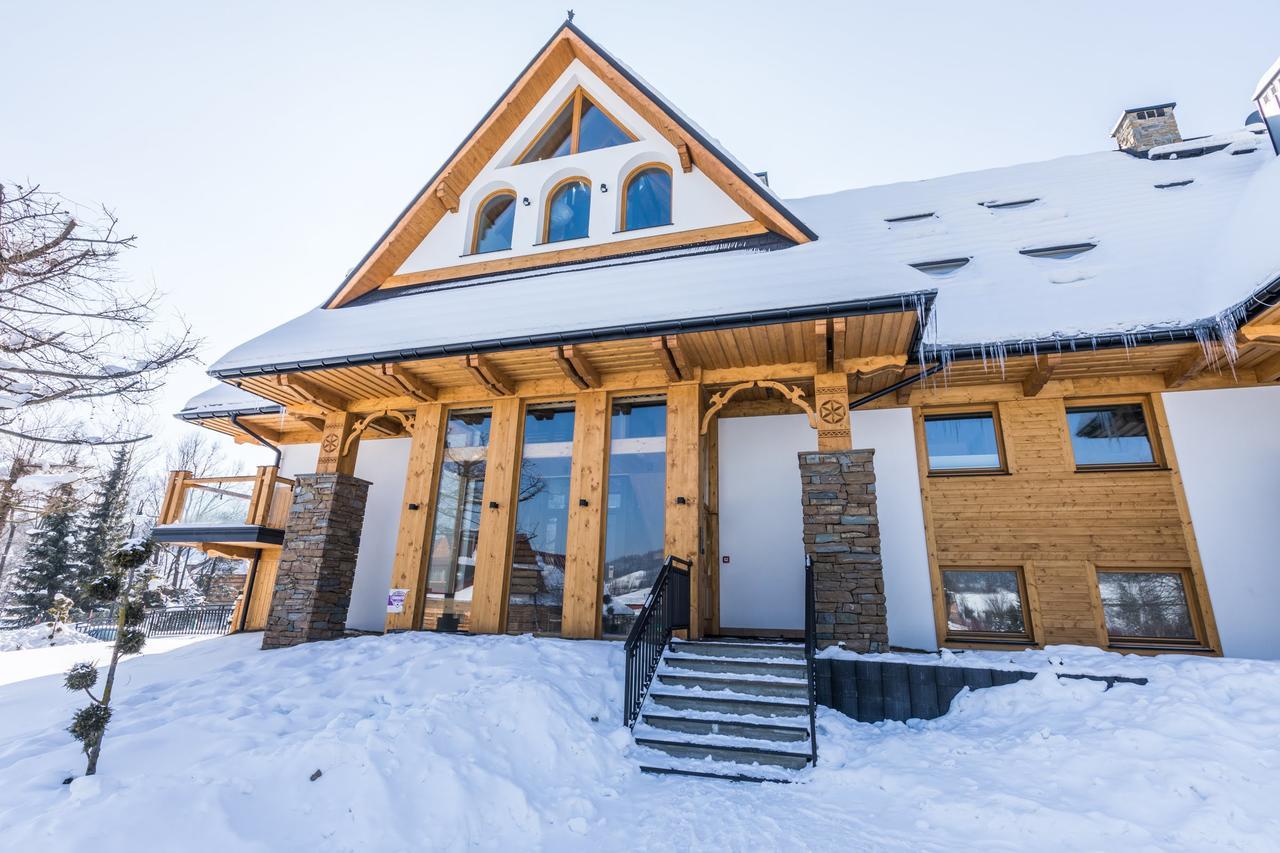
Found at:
[451, 743]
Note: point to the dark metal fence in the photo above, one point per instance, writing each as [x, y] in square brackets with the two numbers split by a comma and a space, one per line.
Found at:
[177, 622]
[811, 655]
[665, 610]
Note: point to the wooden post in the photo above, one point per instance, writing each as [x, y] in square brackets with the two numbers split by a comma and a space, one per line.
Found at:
[831, 402]
[684, 488]
[497, 518]
[337, 453]
[588, 494]
[417, 512]
[174, 497]
[264, 488]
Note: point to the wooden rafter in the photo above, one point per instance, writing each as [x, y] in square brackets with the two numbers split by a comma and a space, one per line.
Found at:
[870, 365]
[1040, 375]
[312, 392]
[1267, 333]
[684, 364]
[312, 421]
[838, 327]
[1188, 368]
[415, 386]
[1269, 370]
[666, 360]
[582, 365]
[575, 368]
[489, 376]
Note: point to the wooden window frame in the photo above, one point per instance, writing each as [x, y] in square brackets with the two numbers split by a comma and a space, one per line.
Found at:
[546, 208]
[1199, 643]
[626, 185]
[576, 98]
[474, 248]
[1158, 458]
[991, 410]
[1026, 638]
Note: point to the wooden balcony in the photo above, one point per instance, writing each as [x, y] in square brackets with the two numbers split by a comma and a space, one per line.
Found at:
[238, 517]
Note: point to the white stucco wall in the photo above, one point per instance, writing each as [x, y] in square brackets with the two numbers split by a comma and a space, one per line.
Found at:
[696, 202]
[384, 464]
[1228, 448]
[908, 597]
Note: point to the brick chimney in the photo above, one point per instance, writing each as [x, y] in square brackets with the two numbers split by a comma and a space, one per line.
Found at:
[1140, 129]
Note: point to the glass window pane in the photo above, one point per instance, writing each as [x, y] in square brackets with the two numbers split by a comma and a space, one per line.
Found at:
[451, 565]
[961, 442]
[597, 130]
[1110, 435]
[983, 602]
[536, 595]
[1150, 605]
[633, 539]
[648, 199]
[555, 140]
[494, 224]
[568, 212]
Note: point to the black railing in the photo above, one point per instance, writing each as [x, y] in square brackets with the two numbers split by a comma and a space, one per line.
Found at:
[183, 621]
[665, 610]
[810, 655]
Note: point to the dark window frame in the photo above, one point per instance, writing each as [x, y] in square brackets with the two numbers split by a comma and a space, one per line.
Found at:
[967, 413]
[1157, 462]
[1190, 595]
[1028, 634]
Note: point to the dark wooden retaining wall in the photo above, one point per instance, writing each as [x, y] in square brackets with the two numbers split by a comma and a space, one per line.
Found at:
[871, 691]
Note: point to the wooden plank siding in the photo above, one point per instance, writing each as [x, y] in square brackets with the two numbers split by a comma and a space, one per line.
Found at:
[1055, 523]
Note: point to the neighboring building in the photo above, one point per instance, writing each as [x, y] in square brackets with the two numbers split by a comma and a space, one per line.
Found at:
[594, 338]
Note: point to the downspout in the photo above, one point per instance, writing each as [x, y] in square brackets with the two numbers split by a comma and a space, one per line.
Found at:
[902, 383]
[235, 419]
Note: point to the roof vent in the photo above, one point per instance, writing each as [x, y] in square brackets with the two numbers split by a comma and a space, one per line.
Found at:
[1059, 253]
[1173, 184]
[914, 217]
[763, 177]
[941, 267]
[1139, 129]
[1008, 205]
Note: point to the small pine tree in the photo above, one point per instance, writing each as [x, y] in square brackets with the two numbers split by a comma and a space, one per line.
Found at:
[103, 525]
[123, 585]
[51, 566]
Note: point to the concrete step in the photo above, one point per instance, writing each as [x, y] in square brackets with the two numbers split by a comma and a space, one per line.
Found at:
[729, 754]
[729, 704]
[724, 649]
[727, 727]
[743, 686]
[745, 666]
[727, 776]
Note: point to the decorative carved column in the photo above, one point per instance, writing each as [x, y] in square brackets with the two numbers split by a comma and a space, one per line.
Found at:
[831, 402]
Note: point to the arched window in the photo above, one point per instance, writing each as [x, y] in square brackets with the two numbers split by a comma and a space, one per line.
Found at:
[568, 210]
[646, 198]
[494, 221]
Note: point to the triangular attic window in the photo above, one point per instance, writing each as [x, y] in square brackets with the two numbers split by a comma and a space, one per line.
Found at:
[580, 125]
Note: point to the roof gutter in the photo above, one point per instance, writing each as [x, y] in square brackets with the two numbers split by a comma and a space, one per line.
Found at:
[876, 305]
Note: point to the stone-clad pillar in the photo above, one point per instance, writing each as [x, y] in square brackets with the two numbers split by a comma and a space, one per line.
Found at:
[317, 560]
[842, 537]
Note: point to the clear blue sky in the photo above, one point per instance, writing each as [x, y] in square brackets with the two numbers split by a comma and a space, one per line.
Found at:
[257, 149]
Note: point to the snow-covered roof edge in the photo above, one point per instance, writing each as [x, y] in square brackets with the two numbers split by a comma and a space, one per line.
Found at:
[223, 401]
[1266, 79]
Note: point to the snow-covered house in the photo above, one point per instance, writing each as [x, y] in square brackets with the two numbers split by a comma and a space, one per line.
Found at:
[1017, 407]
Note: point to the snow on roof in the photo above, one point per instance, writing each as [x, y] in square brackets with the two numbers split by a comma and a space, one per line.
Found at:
[224, 400]
[1160, 262]
[1266, 79]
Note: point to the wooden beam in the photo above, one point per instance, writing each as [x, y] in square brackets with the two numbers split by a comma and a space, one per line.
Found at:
[588, 496]
[684, 488]
[231, 552]
[489, 376]
[686, 159]
[312, 421]
[870, 365]
[666, 360]
[684, 366]
[311, 391]
[567, 368]
[1187, 369]
[415, 386]
[409, 568]
[447, 194]
[1261, 333]
[838, 328]
[1269, 370]
[1040, 376]
[497, 519]
[582, 366]
[822, 346]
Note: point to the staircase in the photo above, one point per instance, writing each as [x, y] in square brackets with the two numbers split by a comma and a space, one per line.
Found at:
[728, 709]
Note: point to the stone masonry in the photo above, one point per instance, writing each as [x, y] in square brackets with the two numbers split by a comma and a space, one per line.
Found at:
[842, 537]
[317, 560]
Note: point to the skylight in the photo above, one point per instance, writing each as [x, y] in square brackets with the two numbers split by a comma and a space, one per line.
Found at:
[1008, 205]
[1068, 250]
[941, 267]
[914, 217]
[1173, 184]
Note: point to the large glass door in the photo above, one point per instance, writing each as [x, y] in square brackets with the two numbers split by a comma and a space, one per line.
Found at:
[451, 564]
[535, 598]
[634, 526]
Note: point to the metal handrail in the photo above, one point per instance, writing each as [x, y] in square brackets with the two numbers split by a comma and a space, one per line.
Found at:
[665, 610]
[811, 655]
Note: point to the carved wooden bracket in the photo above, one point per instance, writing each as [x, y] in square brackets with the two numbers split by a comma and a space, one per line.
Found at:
[407, 421]
[795, 395]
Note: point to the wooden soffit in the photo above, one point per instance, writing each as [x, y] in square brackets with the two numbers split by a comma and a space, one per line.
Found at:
[568, 43]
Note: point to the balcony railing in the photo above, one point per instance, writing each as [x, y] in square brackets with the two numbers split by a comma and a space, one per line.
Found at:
[259, 500]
